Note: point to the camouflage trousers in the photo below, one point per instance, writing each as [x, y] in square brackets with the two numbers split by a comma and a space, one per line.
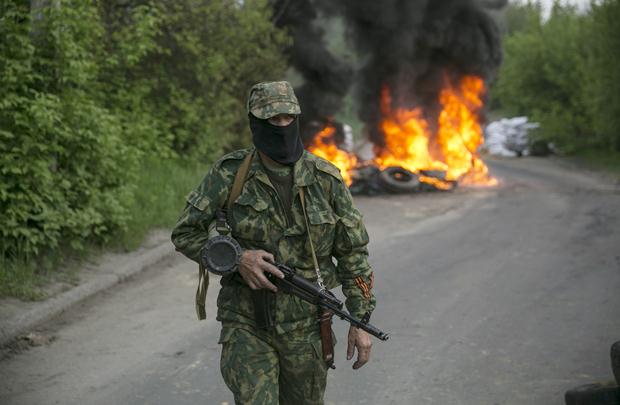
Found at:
[261, 367]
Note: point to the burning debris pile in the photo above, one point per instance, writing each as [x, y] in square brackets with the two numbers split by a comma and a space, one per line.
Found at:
[421, 92]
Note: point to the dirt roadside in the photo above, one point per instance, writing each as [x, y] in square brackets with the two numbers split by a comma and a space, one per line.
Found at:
[20, 319]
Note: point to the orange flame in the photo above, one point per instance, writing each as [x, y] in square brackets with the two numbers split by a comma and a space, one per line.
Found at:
[324, 145]
[409, 142]
[460, 133]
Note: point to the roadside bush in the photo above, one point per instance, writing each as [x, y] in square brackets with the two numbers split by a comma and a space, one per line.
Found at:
[203, 60]
[94, 93]
[66, 172]
[602, 73]
[541, 77]
[564, 73]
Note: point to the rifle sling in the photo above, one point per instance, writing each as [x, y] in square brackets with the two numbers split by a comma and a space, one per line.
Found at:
[302, 197]
[203, 276]
[240, 177]
[325, 316]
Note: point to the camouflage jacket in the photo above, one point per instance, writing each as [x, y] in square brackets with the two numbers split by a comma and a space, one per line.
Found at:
[258, 221]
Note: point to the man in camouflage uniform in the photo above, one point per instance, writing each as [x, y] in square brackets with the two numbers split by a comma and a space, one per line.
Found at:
[271, 347]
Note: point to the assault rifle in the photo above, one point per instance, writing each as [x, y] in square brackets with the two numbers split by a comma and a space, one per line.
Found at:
[221, 255]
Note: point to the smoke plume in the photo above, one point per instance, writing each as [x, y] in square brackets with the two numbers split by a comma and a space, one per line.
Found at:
[414, 46]
[410, 46]
[326, 79]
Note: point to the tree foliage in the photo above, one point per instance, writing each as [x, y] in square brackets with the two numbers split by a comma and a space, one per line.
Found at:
[89, 89]
[602, 69]
[563, 72]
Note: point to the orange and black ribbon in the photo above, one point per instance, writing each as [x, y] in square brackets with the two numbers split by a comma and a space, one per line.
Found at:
[364, 286]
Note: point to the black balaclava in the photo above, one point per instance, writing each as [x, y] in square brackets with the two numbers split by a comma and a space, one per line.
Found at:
[281, 144]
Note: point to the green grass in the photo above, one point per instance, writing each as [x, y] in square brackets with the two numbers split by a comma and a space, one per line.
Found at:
[27, 279]
[159, 198]
[600, 160]
[22, 279]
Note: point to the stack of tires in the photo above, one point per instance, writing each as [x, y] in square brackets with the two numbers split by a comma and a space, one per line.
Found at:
[398, 180]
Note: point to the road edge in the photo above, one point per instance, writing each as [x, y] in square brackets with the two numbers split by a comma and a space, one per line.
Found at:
[57, 305]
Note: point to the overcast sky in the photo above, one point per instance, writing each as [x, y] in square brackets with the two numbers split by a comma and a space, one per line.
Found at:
[582, 4]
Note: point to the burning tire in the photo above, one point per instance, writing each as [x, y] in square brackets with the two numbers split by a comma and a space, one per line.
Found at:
[438, 174]
[399, 180]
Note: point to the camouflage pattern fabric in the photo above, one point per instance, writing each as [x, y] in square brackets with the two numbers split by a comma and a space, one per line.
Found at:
[258, 221]
[263, 368]
[260, 365]
[272, 98]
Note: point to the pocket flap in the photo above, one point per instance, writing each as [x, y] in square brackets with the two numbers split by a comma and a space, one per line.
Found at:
[351, 219]
[321, 217]
[199, 201]
[250, 200]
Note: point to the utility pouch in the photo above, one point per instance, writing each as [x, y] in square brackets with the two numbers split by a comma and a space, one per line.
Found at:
[263, 301]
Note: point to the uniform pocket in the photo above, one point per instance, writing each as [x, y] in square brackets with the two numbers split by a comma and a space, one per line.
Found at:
[322, 230]
[355, 234]
[250, 218]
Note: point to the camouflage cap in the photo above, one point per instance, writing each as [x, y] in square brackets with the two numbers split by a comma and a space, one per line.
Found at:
[269, 99]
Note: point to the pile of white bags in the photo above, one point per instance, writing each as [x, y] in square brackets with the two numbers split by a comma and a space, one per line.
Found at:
[508, 136]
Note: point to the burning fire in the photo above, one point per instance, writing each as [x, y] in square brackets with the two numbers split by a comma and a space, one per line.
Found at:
[460, 133]
[410, 143]
[325, 146]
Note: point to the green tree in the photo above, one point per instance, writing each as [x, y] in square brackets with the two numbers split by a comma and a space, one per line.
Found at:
[195, 74]
[94, 88]
[66, 171]
[521, 17]
[602, 73]
[542, 77]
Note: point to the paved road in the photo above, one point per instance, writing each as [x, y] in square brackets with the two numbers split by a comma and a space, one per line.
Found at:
[503, 296]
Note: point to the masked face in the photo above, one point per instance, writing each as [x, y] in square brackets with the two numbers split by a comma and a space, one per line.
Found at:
[280, 143]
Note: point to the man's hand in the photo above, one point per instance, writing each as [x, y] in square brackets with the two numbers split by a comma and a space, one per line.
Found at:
[252, 267]
[359, 339]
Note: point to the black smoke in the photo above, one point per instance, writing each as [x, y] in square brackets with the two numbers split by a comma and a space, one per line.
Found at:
[414, 46]
[326, 78]
[410, 46]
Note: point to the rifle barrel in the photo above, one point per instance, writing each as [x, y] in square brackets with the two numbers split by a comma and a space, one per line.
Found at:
[373, 330]
[314, 294]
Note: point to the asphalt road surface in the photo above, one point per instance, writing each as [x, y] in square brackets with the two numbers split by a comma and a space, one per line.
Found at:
[496, 296]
